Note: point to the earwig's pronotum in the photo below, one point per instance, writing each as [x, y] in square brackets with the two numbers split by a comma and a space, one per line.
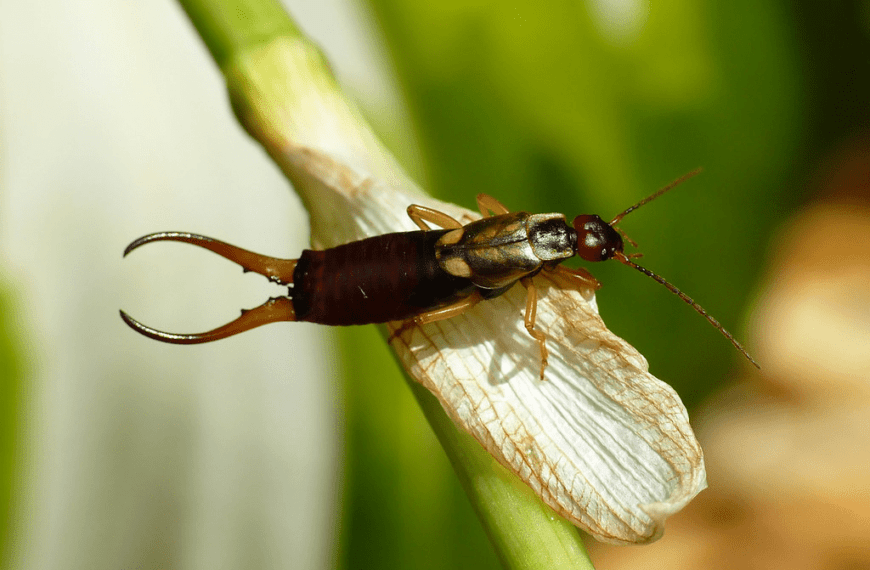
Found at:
[424, 276]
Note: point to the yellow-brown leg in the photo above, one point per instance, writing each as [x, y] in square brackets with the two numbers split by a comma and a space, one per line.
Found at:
[531, 313]
[449, 311]
[440, 314]
[421, 214]
[578, 278]
[489, 206]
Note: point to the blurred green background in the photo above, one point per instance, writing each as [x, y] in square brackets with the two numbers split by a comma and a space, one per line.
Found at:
[574, 107]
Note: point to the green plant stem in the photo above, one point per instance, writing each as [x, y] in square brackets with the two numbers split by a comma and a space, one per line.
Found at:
[230, 27]
[524, 531]
[241, 35]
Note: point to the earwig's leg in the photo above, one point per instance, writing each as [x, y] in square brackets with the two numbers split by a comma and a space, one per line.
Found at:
[421, 214]
[449, 311]
[579, 278]
[272, 311]
[439, 314]
[531, 313]
[489, 206]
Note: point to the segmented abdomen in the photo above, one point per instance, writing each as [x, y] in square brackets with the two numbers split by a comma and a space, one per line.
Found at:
[375, 280]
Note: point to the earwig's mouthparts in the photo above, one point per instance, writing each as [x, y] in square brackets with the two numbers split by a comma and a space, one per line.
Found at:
[272, 311]
[621, 257]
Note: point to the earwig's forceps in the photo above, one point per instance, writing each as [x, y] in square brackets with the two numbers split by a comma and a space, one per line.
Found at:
[274, 310]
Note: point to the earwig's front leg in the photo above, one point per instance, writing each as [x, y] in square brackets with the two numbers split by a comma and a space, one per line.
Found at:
[579, 278]
[531, 313]
[421, 214]
[489, 206]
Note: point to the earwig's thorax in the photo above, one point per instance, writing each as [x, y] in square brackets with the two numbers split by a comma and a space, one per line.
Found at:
[550, 237]
[596, 239]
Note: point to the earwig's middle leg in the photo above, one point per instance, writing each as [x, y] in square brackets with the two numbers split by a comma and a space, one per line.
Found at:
[529, 321]
[421, 214]
[489, 206]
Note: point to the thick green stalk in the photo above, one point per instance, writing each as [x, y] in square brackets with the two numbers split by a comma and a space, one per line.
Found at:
[271, 71]
[229, 27]
[525, 532]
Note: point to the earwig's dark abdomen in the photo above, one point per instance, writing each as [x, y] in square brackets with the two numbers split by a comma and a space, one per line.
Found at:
[375, 280]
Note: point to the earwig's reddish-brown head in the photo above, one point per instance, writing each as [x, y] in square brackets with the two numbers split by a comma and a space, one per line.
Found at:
[596, 239]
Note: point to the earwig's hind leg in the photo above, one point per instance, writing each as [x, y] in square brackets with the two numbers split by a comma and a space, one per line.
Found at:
[531, 313]
[579, 278]
[275, 269]
[449, 311]
[272, 311]
[439, 314]
[489, 206]
[421, 214]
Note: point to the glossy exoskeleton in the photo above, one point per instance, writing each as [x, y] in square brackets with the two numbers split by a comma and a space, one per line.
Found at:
[423, 276]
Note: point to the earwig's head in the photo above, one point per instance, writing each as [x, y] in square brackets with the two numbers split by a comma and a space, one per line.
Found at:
[596, 239]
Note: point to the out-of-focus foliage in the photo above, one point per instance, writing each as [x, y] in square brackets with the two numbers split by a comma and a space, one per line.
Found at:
[10, 382]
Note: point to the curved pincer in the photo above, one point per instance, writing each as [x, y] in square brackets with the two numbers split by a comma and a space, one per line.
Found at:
[274, 310]
[276, 270]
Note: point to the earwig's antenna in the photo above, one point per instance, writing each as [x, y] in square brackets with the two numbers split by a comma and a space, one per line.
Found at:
[599, 241]
[648, 199]
[619, 256]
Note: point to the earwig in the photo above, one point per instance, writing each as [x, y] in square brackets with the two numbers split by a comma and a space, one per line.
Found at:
[428, 275]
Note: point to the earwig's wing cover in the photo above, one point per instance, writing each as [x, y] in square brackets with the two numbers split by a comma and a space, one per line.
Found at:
[601, 441]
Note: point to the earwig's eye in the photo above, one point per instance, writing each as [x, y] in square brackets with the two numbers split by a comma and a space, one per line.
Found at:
[596, 239]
